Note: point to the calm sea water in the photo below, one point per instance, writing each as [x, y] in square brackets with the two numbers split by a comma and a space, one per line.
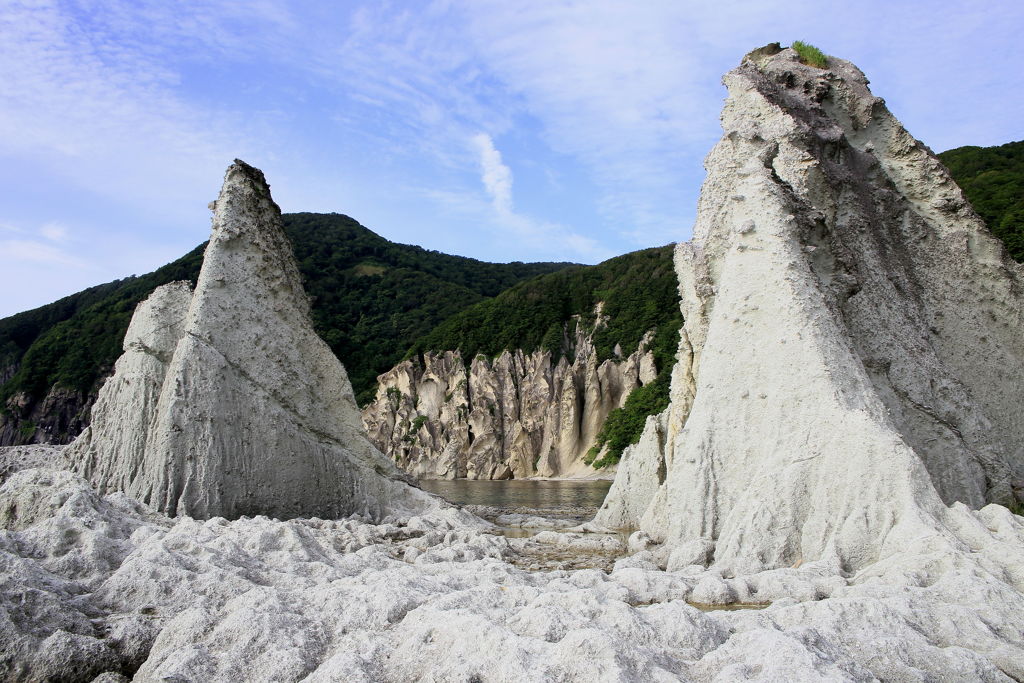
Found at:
[561, 499]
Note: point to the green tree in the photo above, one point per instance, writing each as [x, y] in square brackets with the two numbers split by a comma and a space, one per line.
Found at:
[992, 178]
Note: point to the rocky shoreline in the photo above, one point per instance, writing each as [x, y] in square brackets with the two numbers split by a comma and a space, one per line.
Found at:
[98, 585]
[820, 501]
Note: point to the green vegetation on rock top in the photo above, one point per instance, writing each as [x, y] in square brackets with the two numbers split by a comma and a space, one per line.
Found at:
[372, 299]
[810, 55]
[993, 180]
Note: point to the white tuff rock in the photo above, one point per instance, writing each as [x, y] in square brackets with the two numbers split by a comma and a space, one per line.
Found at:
[96, 585]
[517, 416]
[852, 356]
[226, 402]
[15, 458]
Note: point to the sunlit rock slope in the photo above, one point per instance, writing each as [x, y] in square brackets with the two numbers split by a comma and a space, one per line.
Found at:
[852, 356]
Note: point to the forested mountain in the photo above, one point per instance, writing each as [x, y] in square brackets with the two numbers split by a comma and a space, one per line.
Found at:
[635, 293]
[638, 291]
[993, 180]
[372, 299]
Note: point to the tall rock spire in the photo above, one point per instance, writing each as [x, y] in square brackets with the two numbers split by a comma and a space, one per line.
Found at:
[253, 413]
[852, 355]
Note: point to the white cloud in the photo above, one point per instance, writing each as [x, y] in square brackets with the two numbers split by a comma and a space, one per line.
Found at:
[497, 181]
[38, 252]
[617, 86]
[141, 103]
[55, 232]
[96, 102]
[496, 176]
[614, 88]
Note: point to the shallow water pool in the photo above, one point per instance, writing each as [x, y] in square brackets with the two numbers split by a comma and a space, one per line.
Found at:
[566, 499]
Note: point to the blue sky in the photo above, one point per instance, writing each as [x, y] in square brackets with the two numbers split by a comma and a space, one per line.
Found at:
[506, 130]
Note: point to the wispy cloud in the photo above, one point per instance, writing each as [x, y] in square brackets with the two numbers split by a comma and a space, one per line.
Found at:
[614, 86]
[55, 232]
[39, 252]
[40, 263]
[95, 117]
[610, 86]
[413, 113]
[89, 96]
[496, 176]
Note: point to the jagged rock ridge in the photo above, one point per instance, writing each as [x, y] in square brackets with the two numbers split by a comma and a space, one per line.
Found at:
[852, 353]
[515, 416]
[226, 402]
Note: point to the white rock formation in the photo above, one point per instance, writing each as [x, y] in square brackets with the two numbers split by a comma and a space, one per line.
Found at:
[852, 356]
[887, 581]
[226, 402]
[517, 416]
[16, 458]
[98, 585]
[112, 451]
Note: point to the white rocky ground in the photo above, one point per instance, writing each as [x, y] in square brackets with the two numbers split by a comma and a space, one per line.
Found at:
[93, 585]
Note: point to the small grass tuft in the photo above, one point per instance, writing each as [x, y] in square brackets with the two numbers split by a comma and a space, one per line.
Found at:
[810, 55]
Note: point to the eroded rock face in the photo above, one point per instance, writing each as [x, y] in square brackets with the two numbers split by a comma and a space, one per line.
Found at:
[226, 402]
[852, 353]
[517, 416]
[112, 450]
[56, 419]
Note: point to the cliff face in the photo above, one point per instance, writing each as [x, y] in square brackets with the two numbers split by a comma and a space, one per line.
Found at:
[517, 416]
[226, 402]
[851, 358]
[58, 418]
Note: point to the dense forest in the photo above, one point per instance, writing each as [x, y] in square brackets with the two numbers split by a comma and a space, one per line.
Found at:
[372, 299]
[638, 292]
[993, 180]
[73, 341]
